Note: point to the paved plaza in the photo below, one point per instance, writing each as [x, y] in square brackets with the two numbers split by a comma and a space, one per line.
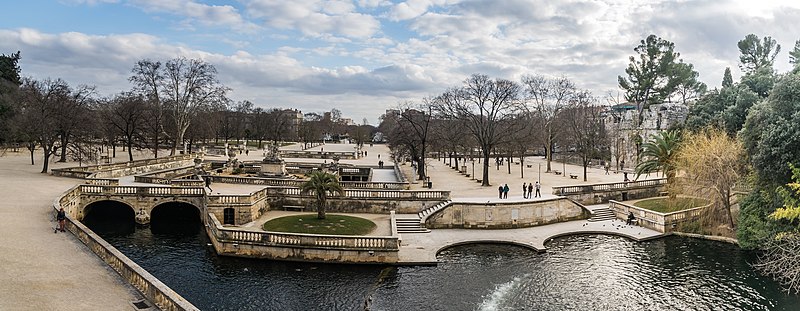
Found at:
[47, 271]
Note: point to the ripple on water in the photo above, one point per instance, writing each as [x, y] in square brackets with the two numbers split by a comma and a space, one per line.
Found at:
[588, 272]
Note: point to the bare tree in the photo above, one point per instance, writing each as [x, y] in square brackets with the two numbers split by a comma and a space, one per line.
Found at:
[182, 86]
[148, 79]
[73, 114]
[125, 113]
[483, 106]
[585, 128]
[545, 99]
[40, 102]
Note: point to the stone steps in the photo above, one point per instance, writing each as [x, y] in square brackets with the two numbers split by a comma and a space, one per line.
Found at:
[433, 209]
[602, 214]
[410, 225]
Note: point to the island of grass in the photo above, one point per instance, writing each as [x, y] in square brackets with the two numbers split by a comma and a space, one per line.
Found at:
[668, 205]
[331, 225]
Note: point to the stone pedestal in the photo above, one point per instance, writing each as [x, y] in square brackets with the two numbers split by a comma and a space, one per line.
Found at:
[142, 218]
[273, 167]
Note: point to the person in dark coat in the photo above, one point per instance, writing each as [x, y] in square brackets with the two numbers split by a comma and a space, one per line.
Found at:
[500, 191]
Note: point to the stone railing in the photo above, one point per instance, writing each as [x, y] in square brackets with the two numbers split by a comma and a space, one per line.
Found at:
[294, 240]
[375, 185]
[279, 182]
[164, 177]
[149, 286]
[142, 191]
[617, 186]
[318, 154]
[437, 195]
[102, 181]
[661, 222]
[188, 183]
[401, 176]
[81, 172]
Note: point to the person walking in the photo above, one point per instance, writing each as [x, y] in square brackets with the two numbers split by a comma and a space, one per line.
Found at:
[538, 188]
[505, 191]
[500, 191]
[208, 183]
[530, 190]
[61, 217]
[524, 190]
[608, 166]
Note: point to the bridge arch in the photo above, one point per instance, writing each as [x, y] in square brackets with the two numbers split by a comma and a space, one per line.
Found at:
[111, 215]
[175, 214]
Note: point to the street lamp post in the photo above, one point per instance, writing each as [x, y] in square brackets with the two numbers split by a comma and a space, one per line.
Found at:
[473, 167]
[540, 172]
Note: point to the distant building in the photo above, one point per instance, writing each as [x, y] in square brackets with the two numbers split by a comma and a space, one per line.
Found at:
[294, 118]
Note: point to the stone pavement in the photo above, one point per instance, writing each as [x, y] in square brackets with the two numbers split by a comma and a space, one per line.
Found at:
[422, 248]
[41, 270]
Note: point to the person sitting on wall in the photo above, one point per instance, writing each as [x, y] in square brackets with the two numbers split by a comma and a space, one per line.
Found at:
[631, 219]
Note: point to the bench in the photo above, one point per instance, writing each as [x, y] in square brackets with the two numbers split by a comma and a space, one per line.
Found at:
[557, 172]
[467, 175]
[296, 208]
[529, 165]
[573, 176]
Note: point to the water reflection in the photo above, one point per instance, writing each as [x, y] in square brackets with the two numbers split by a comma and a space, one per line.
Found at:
[578, 272]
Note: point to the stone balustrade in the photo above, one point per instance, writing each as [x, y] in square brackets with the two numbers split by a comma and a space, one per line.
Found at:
[581, 189]
[299, 246]
[149, 286]
[661, 222]
[143, 191]
[107, 169]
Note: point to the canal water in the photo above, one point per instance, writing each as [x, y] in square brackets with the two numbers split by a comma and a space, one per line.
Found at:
[586, 272]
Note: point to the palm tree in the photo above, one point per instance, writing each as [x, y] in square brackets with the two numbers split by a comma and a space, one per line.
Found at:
[658, 154]
[321, 183]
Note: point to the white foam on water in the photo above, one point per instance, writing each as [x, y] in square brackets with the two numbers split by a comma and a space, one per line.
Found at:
[497, 298]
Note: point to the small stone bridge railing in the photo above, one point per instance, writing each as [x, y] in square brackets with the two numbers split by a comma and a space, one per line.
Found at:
[661, 222]
[604, 187]
[149, 286]
[282, 239]
[142, 191]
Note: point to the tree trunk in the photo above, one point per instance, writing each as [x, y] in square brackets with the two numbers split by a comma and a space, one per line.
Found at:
[32, 149]
[485, 181]
[64, 141]
[585, 164]
[510, 159]
[548, 154]
[130, 152]
[46, 159]
[521, 165]
[320, 208]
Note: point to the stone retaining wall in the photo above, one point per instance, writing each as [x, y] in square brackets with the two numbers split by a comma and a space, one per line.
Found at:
[506, 215]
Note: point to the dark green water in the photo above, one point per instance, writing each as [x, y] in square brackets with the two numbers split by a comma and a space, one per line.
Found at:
[589, 272]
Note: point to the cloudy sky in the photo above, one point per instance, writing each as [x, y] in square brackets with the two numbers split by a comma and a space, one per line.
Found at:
[364, 56]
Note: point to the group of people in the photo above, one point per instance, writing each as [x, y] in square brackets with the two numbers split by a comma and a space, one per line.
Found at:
[527, 190]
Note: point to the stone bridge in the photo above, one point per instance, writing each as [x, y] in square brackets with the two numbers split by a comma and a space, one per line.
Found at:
[141, 199]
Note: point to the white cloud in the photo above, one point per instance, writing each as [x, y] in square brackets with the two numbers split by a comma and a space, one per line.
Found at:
[314, 18]
[195, 12]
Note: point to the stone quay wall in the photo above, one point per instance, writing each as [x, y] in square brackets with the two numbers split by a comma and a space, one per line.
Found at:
[501, 215]
[149, 286]
[661, 222]
[301, 247]
[126, 168]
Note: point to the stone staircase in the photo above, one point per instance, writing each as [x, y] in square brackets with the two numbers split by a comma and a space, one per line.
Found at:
[601, 214]
[424, 214]
[410, 225]
[415, 224]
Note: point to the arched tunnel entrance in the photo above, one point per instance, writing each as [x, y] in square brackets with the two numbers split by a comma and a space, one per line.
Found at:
[175, 217]
[109, 217]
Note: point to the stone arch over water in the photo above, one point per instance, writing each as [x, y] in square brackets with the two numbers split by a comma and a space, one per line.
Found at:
[116, 215]
[175, 214]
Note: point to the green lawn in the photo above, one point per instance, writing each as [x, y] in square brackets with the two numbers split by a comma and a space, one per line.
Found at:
[666, 205]
[332, 224]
